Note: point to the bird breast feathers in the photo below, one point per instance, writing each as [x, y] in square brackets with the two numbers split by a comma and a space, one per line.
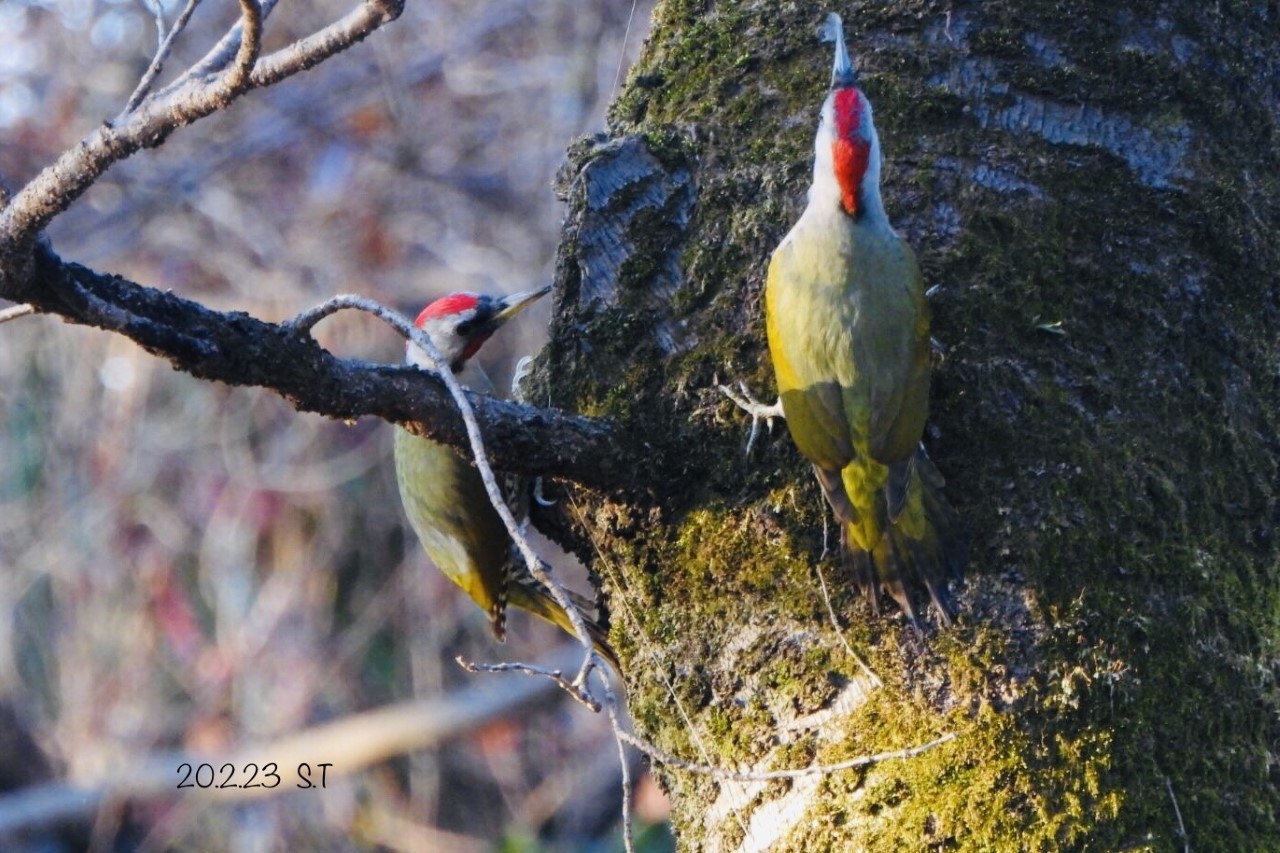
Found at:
[842, 306]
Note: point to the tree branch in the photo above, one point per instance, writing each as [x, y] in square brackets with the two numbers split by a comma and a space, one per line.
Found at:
[162, 51]
[220, 54]
[237, 80]
[58, 185]
[317, 47]
[238, 349]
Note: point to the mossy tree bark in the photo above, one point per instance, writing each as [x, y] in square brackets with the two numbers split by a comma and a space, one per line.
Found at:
[1093, 188]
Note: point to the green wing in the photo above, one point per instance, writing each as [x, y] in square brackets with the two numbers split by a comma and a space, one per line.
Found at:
[449, 509]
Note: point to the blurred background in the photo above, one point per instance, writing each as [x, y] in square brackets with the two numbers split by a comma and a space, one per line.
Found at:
[186, 566]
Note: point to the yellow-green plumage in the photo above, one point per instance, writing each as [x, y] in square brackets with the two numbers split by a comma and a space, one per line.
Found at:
[848, 328]
[463, 535]
[466, 539]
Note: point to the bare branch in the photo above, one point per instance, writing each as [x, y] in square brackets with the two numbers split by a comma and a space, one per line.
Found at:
[310, 51]
[539, 569]
[835, 623]
[579, 695]
[611, 705]
[61, 183]
[237, 80]
[156, 8]
[162, 51]
[242, 350]
[220, 54]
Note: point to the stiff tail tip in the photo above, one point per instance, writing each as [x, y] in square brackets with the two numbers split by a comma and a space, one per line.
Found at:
[528, 594]
[935, 559]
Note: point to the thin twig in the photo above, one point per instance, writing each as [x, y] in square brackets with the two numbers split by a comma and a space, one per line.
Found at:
[162, 51]
[1182, 829]
[622, 52]
[156, 8]
[768, 776]
[181, 103]
[835, 623]
[304, 321]
[251, 17]
[307, 52]
[611, 706]
[555, 675]
[537, 568]
[540, 570]
[220, 54]
[16, 311]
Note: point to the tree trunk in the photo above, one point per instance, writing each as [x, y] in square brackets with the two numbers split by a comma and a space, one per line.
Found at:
[1093, 190]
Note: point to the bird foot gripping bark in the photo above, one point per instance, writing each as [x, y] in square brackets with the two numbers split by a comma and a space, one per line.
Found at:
[759, 411]
[524, 367]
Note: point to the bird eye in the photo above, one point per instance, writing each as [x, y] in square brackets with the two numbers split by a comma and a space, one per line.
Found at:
[464, 328]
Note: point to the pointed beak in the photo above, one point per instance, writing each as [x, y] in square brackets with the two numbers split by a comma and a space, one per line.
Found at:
[510, 306]
[842, 73]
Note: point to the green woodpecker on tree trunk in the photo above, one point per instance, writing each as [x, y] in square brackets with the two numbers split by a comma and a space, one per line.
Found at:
[848, 329]
[443, 493]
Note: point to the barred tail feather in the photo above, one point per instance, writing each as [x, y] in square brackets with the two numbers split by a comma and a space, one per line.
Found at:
[863, 569]
[528, 594]
[926, 544]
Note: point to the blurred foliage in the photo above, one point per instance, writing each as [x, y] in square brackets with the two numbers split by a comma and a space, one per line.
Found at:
[184, 565]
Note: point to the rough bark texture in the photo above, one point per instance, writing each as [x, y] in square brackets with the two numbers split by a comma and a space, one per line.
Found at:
[242, 350]
[1094, 189]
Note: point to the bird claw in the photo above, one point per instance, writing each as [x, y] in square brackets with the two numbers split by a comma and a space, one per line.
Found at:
[523, 368]
[758, 411]
[538, 496]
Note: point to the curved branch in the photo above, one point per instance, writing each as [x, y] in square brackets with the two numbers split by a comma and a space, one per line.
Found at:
[220, 54]
[58, 185]
[238, 349]
[237, 80]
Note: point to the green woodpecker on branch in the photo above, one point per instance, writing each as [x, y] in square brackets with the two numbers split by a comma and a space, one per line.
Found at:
[848, 329]
[444, 495]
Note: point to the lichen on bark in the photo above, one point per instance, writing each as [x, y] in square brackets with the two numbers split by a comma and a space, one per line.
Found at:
[1094, 191]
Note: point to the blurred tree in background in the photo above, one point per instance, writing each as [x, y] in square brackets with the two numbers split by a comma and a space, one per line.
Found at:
[187, 565]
